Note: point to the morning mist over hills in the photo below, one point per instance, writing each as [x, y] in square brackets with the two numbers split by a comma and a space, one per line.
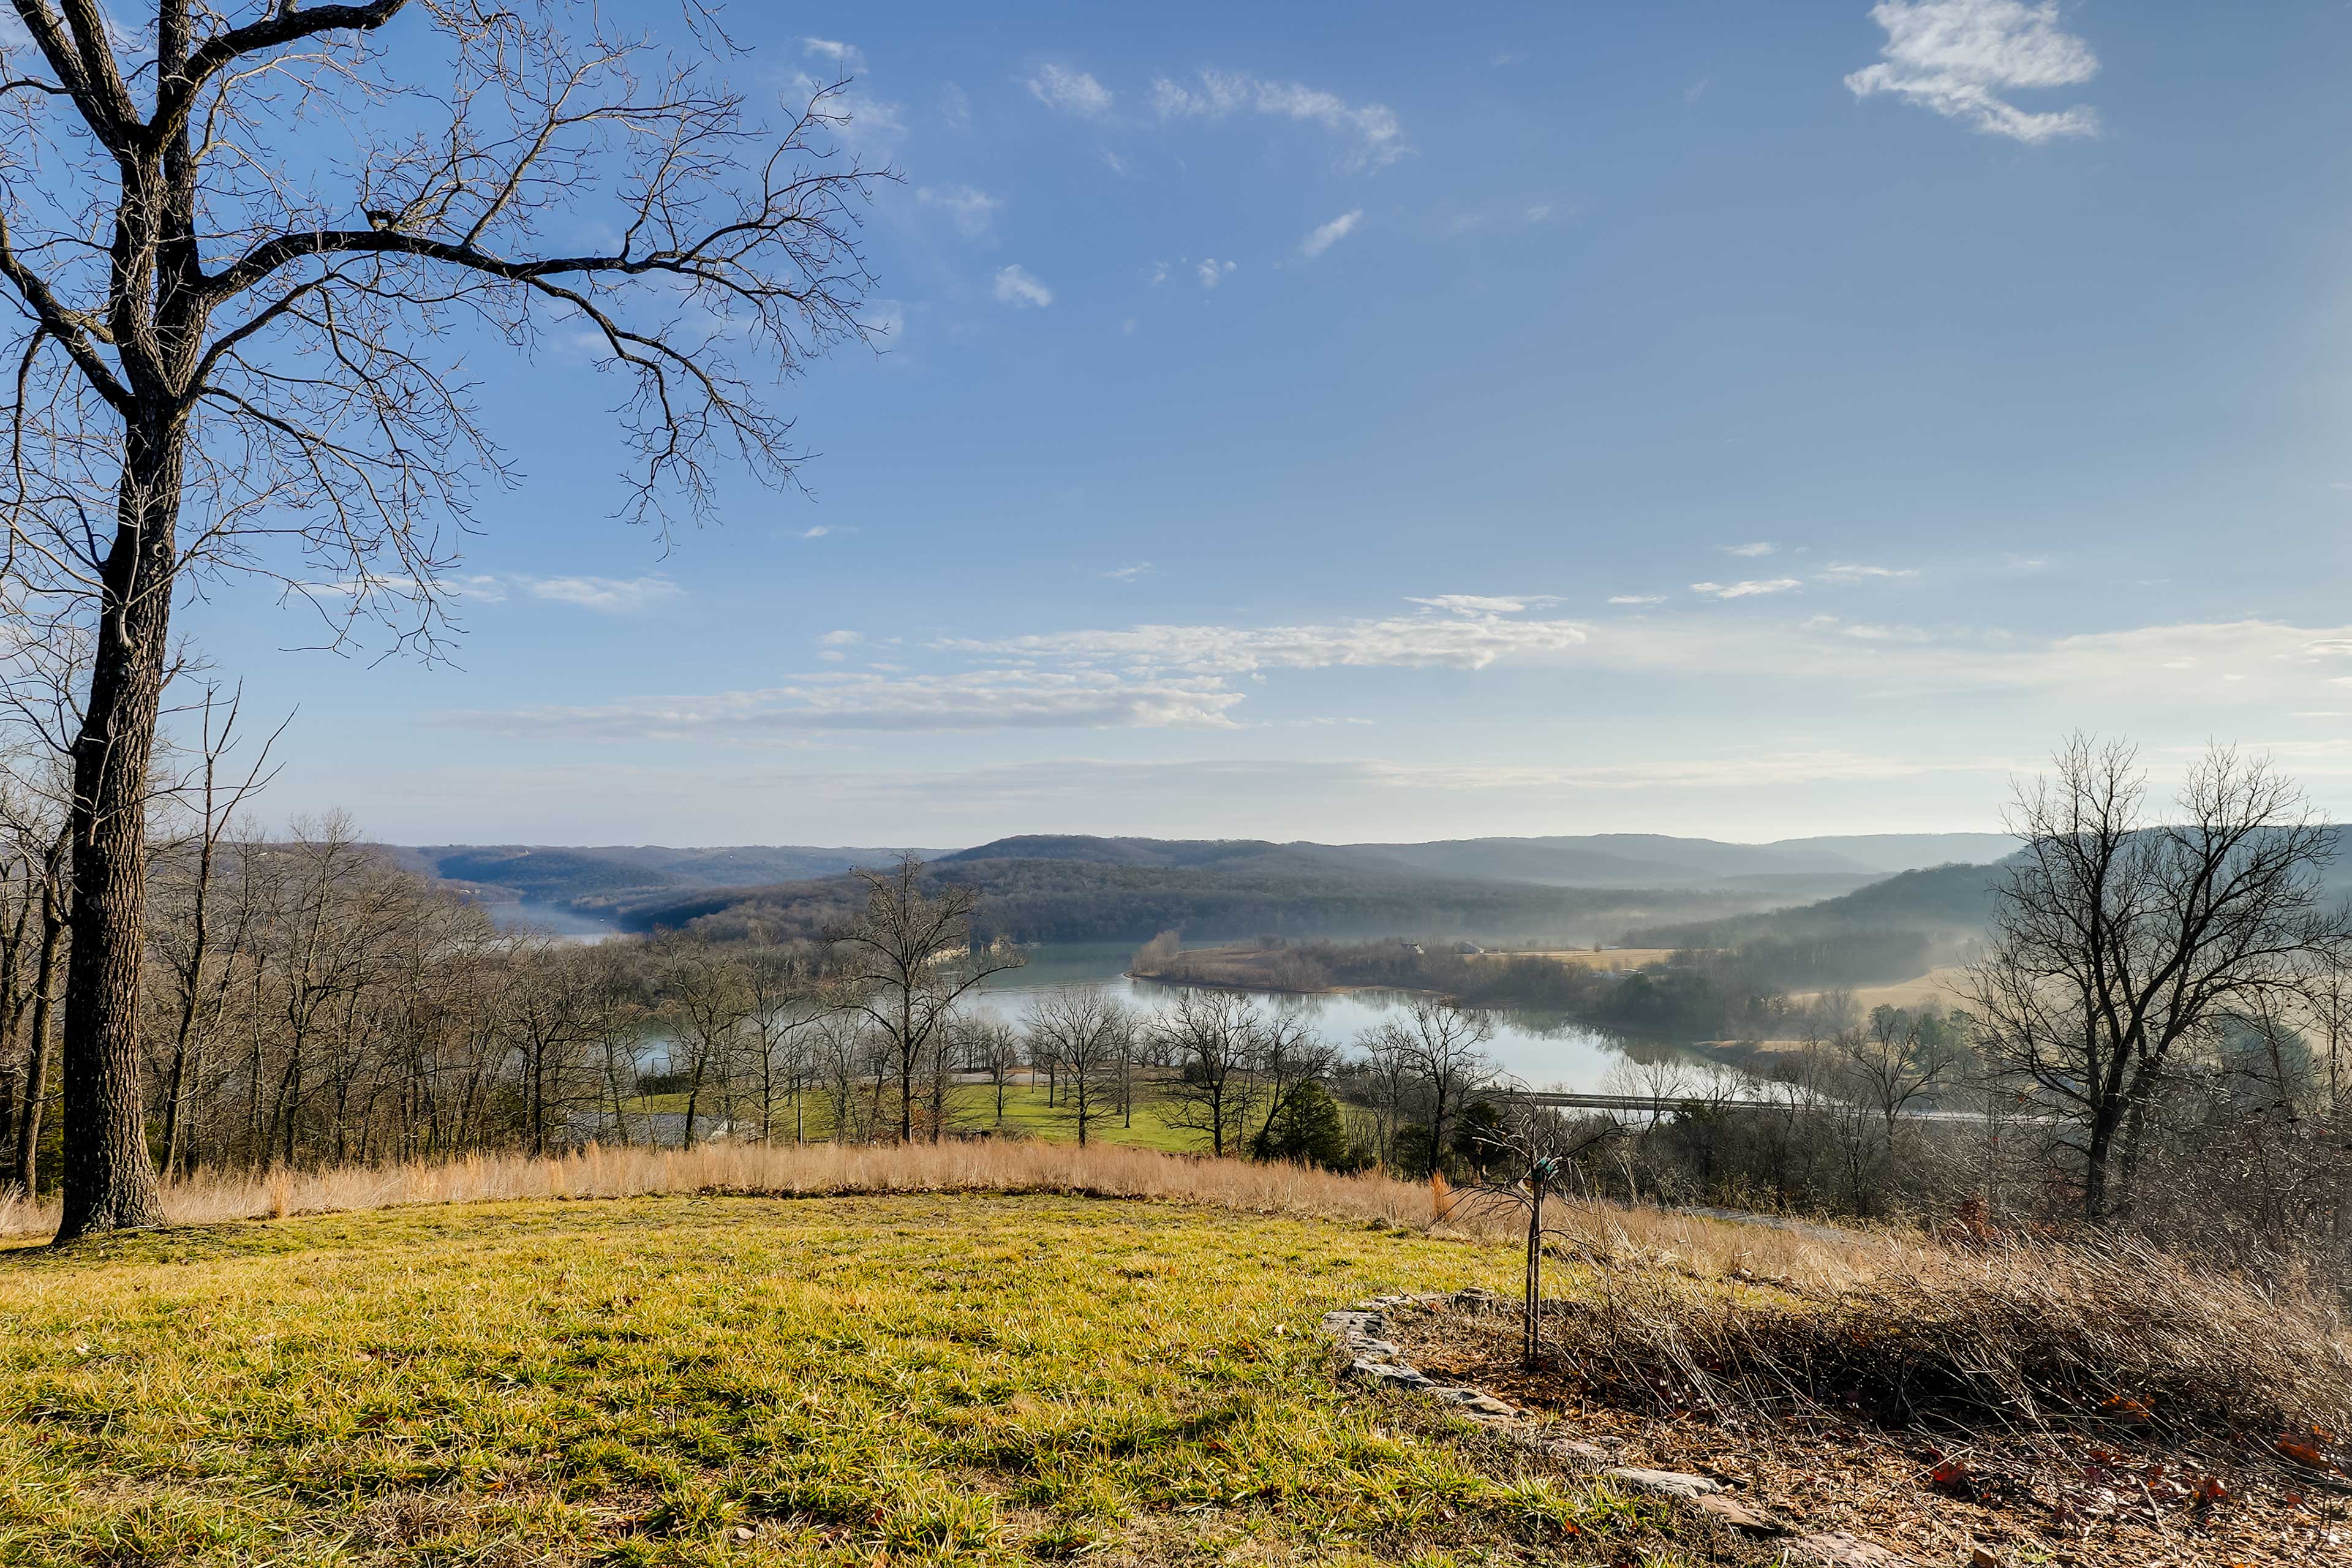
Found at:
[1076, 889]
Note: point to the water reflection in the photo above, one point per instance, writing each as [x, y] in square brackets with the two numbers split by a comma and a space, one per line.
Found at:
[1545, 1053]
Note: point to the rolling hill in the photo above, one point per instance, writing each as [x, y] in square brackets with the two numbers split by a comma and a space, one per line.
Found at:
[1071, 887]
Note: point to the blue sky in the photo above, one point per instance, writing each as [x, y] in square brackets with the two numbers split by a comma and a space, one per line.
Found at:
[1360, 421]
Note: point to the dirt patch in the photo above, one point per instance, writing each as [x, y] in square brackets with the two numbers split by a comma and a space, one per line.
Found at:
[2101, 1503]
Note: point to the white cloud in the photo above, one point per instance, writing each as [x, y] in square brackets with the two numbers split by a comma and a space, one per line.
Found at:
[870, 126]
[1130, 573]
[973, 209]
[2026, 563]
[1377, 135]
[1862, 631]
[1637, 598]
[1158, 275]
[1537, 212]
[1331, 234]
[1760, 548]
[826, 530]
[847, 58]
[1487, 603]
[608, 595]
[841, 638]
[1837, 572]
[1212, 271]
[1462, 641]
[1958, 57]
[1072, 92]
[1747, 590]
[860, 700]
[1015, 286]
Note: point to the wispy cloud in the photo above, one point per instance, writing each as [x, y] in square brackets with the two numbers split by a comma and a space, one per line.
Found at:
[1374, 131]
[1747, 590]
[1958, 58]
[1071, 91]
[1637, 598]
[1131, 571]
[1462, 641]
[1330, 234]
[848, 59]
[1761, 547]
[608, 595]
[1212, 272]
[848, 700]
[1487, 603]
[973, 209]
[1015, 286]
[1837, 572]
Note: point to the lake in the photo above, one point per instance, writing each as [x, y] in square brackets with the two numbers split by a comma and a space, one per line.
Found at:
[1541, 1053]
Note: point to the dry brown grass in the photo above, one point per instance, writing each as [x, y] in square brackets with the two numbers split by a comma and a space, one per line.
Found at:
[2027, 1339]
[1102, 1171]
[1585, 958]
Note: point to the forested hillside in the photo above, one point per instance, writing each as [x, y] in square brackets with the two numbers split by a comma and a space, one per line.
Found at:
[1888, 930]
[1057, 901]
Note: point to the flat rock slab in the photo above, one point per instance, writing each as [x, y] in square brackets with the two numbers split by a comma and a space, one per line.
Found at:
[1473, 1399]
[1665, 1483]
[1740, 1517]
[1389, 1374]
[1842, 1549]
[1573, 1448]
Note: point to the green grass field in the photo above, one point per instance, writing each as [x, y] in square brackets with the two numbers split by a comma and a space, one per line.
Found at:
[1028, 1113]
[747, 1380]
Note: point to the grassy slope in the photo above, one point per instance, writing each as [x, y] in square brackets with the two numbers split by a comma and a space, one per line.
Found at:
[703, 1380]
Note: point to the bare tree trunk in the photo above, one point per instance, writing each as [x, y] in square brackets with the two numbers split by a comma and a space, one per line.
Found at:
[108, 1181]
[38, 1050]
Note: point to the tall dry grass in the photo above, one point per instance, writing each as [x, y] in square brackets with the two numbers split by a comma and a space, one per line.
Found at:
[2031, 1339]
[1101, 1171]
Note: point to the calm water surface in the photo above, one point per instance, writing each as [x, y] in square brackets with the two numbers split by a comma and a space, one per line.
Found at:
[1542, 1053]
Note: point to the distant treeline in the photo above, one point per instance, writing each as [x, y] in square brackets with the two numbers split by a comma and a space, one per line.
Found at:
[1058, 900]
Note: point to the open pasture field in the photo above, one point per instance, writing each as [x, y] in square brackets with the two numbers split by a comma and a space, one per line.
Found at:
[1939, 987]
[690, 1380]
[1585, 958]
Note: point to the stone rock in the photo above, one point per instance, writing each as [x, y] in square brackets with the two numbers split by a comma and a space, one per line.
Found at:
[1842, 1549]
[1377, 1350]
[1389, 1374]
[1575, 1448]
[1667, 1483]
[1473, 1399]
[1741, 1517]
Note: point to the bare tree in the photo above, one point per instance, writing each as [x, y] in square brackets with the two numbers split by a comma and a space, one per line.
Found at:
[992, 1046]
[911, 958]
[1892, 1064]
[199, 986]
[240, 237]
[785, 1002]
[39, 827]
[2119, 942]
[1086, 1036]
[1443, 1048]
[707, 993]
[1211, 1036]
[1287, 1055]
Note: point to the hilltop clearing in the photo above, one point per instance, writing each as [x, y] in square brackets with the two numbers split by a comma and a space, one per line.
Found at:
[746, 1380]
[777, 1359]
